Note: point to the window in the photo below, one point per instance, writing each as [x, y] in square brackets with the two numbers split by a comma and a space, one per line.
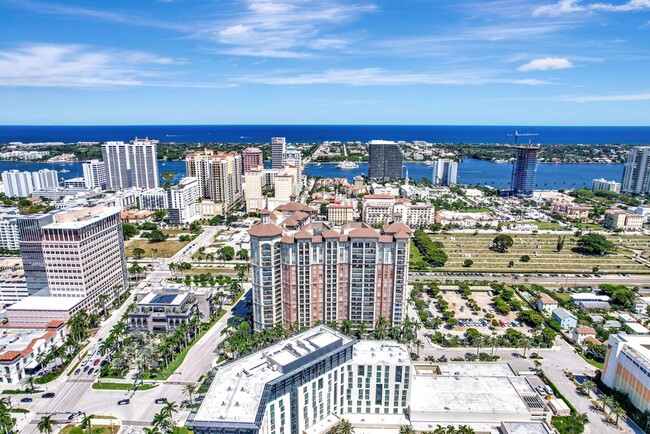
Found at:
[398, 374]
[360, 370]
[378, 394]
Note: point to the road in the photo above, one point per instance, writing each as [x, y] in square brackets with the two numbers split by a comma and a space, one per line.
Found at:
[75, 393]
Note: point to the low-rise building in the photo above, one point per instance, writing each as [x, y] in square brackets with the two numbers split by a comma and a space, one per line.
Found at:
[13, 286]
[19, 348]
[466, 219]
[566, 319]
[377, 208]
[165, 310]
[340, 214]
[581, 333]
[571, 210]
[603, 184]
[627, 368]
[545, 303]
[620, 219]
[75, 183]
[587, 297]
[36, 311]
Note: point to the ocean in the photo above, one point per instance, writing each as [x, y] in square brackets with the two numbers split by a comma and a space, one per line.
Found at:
[320, 133]
[470, 172]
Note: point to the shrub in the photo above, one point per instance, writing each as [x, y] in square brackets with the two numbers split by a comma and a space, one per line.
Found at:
[525, 258]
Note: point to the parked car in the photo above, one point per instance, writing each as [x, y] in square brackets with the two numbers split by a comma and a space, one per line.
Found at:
[86, 368]
[77, 371]
[48, 395]
[26, 399]
[124, 402]
[96, 362]
[160, 400]
[75, 414]
[90, 371]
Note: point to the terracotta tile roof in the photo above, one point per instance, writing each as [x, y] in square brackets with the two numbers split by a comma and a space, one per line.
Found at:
[302, 235]
[547, 299]
[290, 223]
[385, 238]
[402, 235]
[363, 233]
[293, 207]
[393, 228]
[317, 239]
[265, 212]
[10, 356]
[378, 196]
[593, 340]
[331, 233]
[265, 230]
[287, 239]
[585, 331]
[299, 215]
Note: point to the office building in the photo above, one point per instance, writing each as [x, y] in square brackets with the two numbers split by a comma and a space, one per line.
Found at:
[524, 170]
[75, 183]
[308, 272]
[385, 159]
[251, 158]
[94, 174]
[31, 250]
[39, 311]
[445, 172]
[79, 252]
[627, 368]
[9, 233]
[219, 176]
[312, 380]
[13, 286]
[602, 184]
[154, 199]
[636, 173]
[133, 164]
[183, 201]
[339, 214]
[253, 184]
[278, 146]
[23, 184]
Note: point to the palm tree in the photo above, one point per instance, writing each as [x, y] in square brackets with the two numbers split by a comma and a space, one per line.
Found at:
[619, 412]
[161, 421]
[46, 424]
[103, 298]
[588, 386]
[344, 427]
[346, 328]
[189, 390]
[170, 408]
[86, 422]
[606, 402]
[152, 430]
[29, 382]
[406, 429]
[6, 421]
[154, 252]
[418, 344]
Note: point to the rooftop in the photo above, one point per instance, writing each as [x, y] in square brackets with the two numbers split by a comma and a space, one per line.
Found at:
[46, 303]
[236, 392]
[380, 352]
[76, 218]
[166, 299]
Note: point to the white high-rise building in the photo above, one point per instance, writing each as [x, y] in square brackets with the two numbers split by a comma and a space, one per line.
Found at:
[636, 173]
[219, 176]
[22, 184]
[602, 184]
[17, 183]
[278, 147]
[9, 234]
[293, 157]
[132, 164]
[184, 201]
[253, 183]
[95, 174]
[83, 254]
[445, 172]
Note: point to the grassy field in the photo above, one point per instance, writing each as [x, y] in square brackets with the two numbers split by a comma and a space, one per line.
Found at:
[550, 226]
[542, 252]
[102, 429]
[166, 249]
[175, 232]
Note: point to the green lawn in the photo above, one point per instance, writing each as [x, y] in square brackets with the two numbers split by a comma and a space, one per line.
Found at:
[101, 429]
[121, 386]
[166, 249]
[544, 257]
[550, 226]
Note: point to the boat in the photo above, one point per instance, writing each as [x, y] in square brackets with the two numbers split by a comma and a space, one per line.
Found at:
[64, 171]
[318, 164]
[428, 163]
[347, 165]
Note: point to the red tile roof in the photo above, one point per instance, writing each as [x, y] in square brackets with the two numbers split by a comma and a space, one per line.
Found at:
[265, 230]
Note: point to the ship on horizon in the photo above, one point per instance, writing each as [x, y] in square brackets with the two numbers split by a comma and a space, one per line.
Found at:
[347, 165]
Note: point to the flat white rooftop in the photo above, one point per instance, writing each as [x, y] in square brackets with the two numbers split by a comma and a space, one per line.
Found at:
[380, 352]
[476, 369]
[46, 303]
[76, 218]
[466, 395]
[236, 390]
[18, 339]
[525, 428]
[166, 299]
[588, 296]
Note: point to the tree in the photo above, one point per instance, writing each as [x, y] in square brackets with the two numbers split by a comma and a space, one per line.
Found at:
[103, 298]
[227, 253]
[189, 390]
[594, 244]
[524, 258]
[346, 326]
[406, 429]
[501, 243]
[155, 236]
[138, 252]
[29, 382]
[587, 387]
[242, 255]
[159, 215]
[46, 424]
[619, 412]
[86, 422]
[468, 263]
[560, 243]
[129, 231]
[344, 427]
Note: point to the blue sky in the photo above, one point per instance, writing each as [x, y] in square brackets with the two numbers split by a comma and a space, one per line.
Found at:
[485, 62]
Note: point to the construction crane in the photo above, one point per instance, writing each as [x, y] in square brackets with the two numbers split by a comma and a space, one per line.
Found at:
[517, 134]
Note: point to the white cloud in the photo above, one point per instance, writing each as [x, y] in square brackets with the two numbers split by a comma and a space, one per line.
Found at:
[608, 98]
[285, 28]
[68, 65]
[562, 7]
[382, 77]
[545, 64]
